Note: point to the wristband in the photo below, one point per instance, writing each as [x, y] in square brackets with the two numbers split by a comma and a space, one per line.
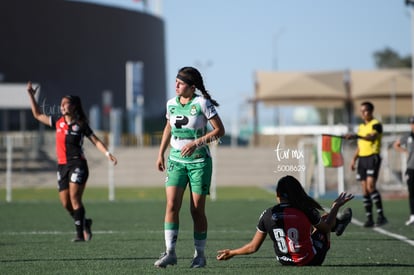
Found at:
[107, 153]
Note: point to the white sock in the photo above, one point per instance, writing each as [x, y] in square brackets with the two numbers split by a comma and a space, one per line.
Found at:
[170, 236]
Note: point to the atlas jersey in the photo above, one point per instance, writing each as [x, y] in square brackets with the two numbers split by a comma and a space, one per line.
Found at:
[290, 230]
[69, 139]
[189, 122]
[366, 147]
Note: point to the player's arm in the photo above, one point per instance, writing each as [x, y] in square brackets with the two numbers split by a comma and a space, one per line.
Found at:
[350, 136]
[165, 140]
[37, 113]
[354, 159]
[218, 129]
[370, 137]
[249, 248]
[328, 222]
[212, 136]
[397, 146]
[374, 135]
[356, 136]
[102, 147]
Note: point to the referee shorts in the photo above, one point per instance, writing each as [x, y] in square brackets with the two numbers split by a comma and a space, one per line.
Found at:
[368, 167]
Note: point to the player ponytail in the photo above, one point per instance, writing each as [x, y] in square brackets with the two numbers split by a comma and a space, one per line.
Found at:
[192, 76]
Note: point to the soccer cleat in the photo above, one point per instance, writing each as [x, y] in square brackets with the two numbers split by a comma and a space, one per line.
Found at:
[87, 230]
[198, 262]
[344, 220]
[78, 240]
[369, 223]
[410, 221]
[381, 220]
[167, 258]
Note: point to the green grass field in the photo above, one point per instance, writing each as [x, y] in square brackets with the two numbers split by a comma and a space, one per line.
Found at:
[35, 234]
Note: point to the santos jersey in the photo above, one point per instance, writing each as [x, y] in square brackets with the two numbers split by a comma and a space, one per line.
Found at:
[189, 122]
[69, 139]
[290, 230]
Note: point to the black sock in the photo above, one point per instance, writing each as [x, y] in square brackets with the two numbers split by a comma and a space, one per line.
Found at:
[376, 198]
[79, 217]
[368, 206]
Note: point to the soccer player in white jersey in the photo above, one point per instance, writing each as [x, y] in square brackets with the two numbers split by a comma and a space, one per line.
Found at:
[189, 162]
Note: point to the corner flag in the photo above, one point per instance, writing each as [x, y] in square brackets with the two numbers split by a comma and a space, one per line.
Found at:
[332, 151]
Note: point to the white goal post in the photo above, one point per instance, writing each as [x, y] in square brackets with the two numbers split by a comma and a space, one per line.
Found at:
[9, 163]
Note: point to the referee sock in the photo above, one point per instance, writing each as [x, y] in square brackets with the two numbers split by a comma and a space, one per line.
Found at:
[376, 198]
[368, 206]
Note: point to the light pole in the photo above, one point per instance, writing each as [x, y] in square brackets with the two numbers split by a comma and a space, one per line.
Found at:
[276, 37]
[411, 3]
[278, 109]
[349, 106]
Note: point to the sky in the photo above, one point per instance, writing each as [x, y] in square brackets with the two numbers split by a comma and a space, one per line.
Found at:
[229, 40]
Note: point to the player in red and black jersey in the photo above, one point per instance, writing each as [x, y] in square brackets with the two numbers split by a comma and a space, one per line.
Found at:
[71, 128]
[300, 235]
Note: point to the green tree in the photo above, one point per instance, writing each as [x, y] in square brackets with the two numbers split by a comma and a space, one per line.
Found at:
[388, 58]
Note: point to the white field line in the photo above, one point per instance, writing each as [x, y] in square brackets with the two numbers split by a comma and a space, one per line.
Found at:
[108, 232]
[54, 232]
[385, 232]
[354, 221]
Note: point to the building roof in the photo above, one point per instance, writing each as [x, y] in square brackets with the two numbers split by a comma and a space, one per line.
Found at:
[389, 90]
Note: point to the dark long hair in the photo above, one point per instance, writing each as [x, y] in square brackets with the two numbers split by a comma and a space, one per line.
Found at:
[290, 188]
[78, 114]
[192, 76]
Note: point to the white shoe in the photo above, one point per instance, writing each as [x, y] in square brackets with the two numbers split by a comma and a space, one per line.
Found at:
[198, 261]
[410, 221]
[167, 258]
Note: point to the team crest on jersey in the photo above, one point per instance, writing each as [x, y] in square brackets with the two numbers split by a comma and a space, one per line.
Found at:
[75, 127]
[193, 110]
[62, 124]
[275, 217]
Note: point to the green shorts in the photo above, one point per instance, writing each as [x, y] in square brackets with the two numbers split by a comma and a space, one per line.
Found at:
[198, 175]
